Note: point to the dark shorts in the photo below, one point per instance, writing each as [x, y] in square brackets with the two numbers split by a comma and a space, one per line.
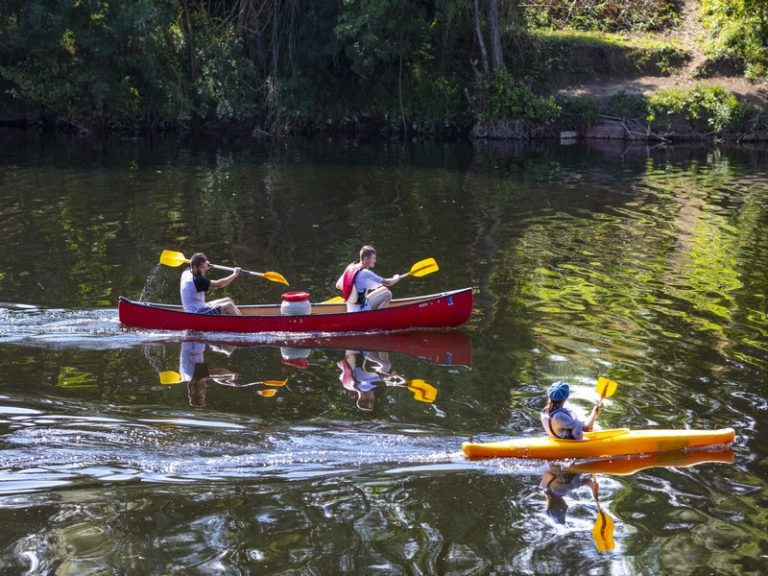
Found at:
[210, 310]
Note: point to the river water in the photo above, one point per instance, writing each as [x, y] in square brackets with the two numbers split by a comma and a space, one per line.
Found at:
[646, 265]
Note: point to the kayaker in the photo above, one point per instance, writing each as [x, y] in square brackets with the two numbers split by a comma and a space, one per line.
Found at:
[194, 284]
[561, 422]
[363, 289]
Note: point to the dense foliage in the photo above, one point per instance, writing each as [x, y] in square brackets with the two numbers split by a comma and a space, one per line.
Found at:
[285, 65]
[738, 34]
[608, 16]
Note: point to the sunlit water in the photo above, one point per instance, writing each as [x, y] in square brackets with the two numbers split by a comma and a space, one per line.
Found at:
[649, 266]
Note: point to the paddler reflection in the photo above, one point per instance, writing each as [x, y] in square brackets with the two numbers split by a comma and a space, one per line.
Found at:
[557, 482]
[195, 371]
[362, 372]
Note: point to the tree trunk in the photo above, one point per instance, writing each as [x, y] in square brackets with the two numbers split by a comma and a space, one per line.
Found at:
[189, 39]
[497, 57]
[480, 40]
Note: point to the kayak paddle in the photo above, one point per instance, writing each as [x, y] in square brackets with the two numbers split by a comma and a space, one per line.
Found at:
[421, 268]
[176, 259]
[602, 531]
[606, 388]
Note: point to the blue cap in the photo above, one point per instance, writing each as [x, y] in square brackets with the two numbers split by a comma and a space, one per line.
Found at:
[559, 391]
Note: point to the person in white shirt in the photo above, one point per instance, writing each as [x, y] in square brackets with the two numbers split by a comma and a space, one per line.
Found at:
[363, 289]
[194, 284]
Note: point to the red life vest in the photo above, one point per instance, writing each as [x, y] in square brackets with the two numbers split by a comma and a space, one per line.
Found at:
[348, 280]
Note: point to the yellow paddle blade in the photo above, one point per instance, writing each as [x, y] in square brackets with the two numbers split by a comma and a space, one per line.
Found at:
[275, 382]
[606, 388]
[603, 532]
[423, 391]
[267, 393]
[173, 259]
[275, 277]
[424, 267]
[334, 300]
[170, 377]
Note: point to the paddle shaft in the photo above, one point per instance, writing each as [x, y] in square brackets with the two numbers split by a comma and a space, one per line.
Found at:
[228, 269]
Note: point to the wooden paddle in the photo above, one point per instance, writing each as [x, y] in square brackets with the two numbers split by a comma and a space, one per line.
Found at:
[176, 259]
[421, 268]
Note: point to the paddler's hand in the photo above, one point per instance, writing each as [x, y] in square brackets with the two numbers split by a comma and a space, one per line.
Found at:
[237, 271]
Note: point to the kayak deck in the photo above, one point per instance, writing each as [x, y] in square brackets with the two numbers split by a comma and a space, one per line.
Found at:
[600, 444]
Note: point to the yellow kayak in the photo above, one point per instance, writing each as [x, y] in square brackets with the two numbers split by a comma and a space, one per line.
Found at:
[600, 444]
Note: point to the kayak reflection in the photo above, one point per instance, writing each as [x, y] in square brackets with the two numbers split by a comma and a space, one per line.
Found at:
[362, 371]
[560, 479]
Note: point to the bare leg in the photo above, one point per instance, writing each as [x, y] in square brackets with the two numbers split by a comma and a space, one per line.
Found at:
[227, 306]
[379, 298]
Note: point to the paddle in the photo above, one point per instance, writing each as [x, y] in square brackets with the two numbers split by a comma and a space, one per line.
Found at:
[422, 391]
[176, 259]
[173, 377]
[602, 532]
[421, 268]
[606, 388]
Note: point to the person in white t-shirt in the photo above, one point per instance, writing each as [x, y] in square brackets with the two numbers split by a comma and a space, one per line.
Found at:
[194, 284]
[363, 289]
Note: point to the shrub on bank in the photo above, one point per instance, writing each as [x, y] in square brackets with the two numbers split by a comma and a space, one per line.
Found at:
[553, 58]
[737, 36]
[702, 109]
[605, 15]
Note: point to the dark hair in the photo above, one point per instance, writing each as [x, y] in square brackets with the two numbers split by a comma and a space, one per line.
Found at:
[553, 405]
[366, 251]
[197, 259]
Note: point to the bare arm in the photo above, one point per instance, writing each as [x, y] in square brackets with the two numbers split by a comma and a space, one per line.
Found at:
[391, 281]
[227, 280]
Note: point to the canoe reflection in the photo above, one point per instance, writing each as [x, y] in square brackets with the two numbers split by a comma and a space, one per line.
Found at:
[365, 362]
[561, 479]
[447, 348]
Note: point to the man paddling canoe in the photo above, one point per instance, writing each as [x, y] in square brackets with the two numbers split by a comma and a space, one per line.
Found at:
[363, 289]
[194, 285]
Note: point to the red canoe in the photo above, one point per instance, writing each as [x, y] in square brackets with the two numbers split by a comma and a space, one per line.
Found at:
[444, 310]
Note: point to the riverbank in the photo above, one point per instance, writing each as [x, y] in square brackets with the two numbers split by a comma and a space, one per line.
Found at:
[655, 70]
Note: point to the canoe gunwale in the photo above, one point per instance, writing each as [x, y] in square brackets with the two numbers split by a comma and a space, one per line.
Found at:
[433, 311]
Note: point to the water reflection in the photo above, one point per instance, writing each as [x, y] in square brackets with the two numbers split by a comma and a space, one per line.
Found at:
[362, 371]
[562, 480]
[194, 370]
